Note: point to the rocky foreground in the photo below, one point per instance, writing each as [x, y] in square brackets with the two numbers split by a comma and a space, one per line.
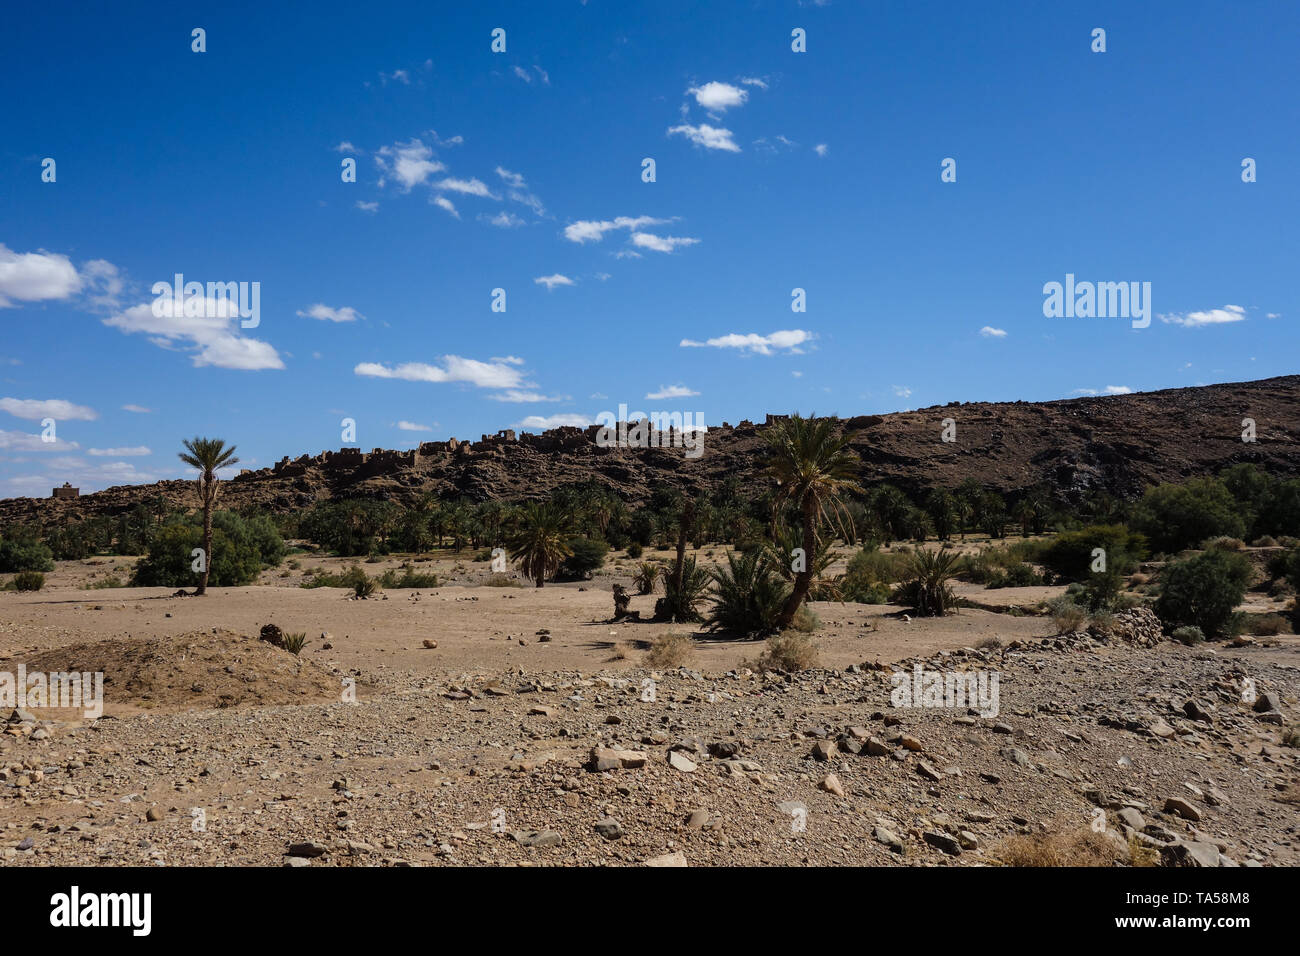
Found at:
[1177, 750]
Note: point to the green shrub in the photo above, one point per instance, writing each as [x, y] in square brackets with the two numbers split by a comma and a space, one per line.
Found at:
[634, 550]
[29, 581]
[1177, 517]
[587, 555]
[293, 643]
[925, 590]
[750, 594]
[169, 561]
[365, 588]
[1071, 553]
[1203, 590]
[22, 554]
[1265, 625]
[409, 578]
[681, 603]
[646, 577]
[1188, 634]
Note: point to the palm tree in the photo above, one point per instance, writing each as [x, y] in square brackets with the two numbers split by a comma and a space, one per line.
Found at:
[207, 455]
[813, 467]
[539, 541]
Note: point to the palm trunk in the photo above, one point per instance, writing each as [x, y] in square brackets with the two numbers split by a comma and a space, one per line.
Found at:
[207, 535]
[802, 579]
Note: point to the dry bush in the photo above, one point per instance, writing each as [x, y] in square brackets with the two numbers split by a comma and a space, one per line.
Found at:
[787, 652]
[991, 643]
[1138, 579]
[670, 650]
[1080, 847]
[1266, 625]
[1066, 615]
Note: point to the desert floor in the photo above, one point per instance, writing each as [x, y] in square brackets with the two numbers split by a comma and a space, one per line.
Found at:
[497, 723]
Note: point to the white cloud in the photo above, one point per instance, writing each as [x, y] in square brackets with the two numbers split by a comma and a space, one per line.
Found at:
[784, 340]
[552, 281]
[1274, 315]
[135, 451]
[718, 97]
[23, 441]
[345, 147]
[989, 332]
[544, 423]
[672, 391]
[470, 187]
[212, 334]
[326, 314]
[709, 137]
[367, 206]
[902, 391]
[36, 409]
[105, 283]
[409, 163]
[647, 240]
[79, 473]
[518, 395]
[138, 409]
[35, 277]
[1229, 313]
[754, 81]
[498, 373]
[518, 191]
[413, 427]
[593, 230]
[821, 149]
[523, 74]
[1108, 390]
[442, 202]
[546, 77]
[504, 220]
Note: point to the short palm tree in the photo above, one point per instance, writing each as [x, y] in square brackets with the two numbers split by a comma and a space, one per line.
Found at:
[207, 455]
[539, 541]
[814, 468]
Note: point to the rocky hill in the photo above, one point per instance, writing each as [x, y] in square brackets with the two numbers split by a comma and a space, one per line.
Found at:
[1117, 443]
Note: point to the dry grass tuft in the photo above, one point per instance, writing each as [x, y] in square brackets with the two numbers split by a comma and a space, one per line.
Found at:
[670, 650]
[787, 652]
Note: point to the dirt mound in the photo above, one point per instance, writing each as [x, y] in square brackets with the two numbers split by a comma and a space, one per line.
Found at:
[199, 670]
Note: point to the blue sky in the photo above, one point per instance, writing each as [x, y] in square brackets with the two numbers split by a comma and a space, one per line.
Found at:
[476, 171]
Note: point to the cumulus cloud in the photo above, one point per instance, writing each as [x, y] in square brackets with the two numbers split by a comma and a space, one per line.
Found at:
[134, 451]
[469, 187]
[1108, 390]
[672, 391]
[709, 137]
[552, 281]
[544, 423]
[367, 206]
[1228, 314]
[786, 340]
[503, 220]
[35, 409]
[989, 332]
[409, 163]
[413, 427]
[498, 373]
[719, 97]
[205, 326]
[442, 202]
[327, 314]
[593, 230]
[821, 149]
[25, 442]
[36, 277]
[647, 240]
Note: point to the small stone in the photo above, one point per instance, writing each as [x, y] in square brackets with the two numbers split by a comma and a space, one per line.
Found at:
[1132, 818]
[887, 838]
[831, 784]
[823, 750]
[153, 815]
[928, 772]
[536, 838]
[942, 842]
[668, 859]
[679, 761]
[1180, 807]
[307, 849]
[610, 828]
